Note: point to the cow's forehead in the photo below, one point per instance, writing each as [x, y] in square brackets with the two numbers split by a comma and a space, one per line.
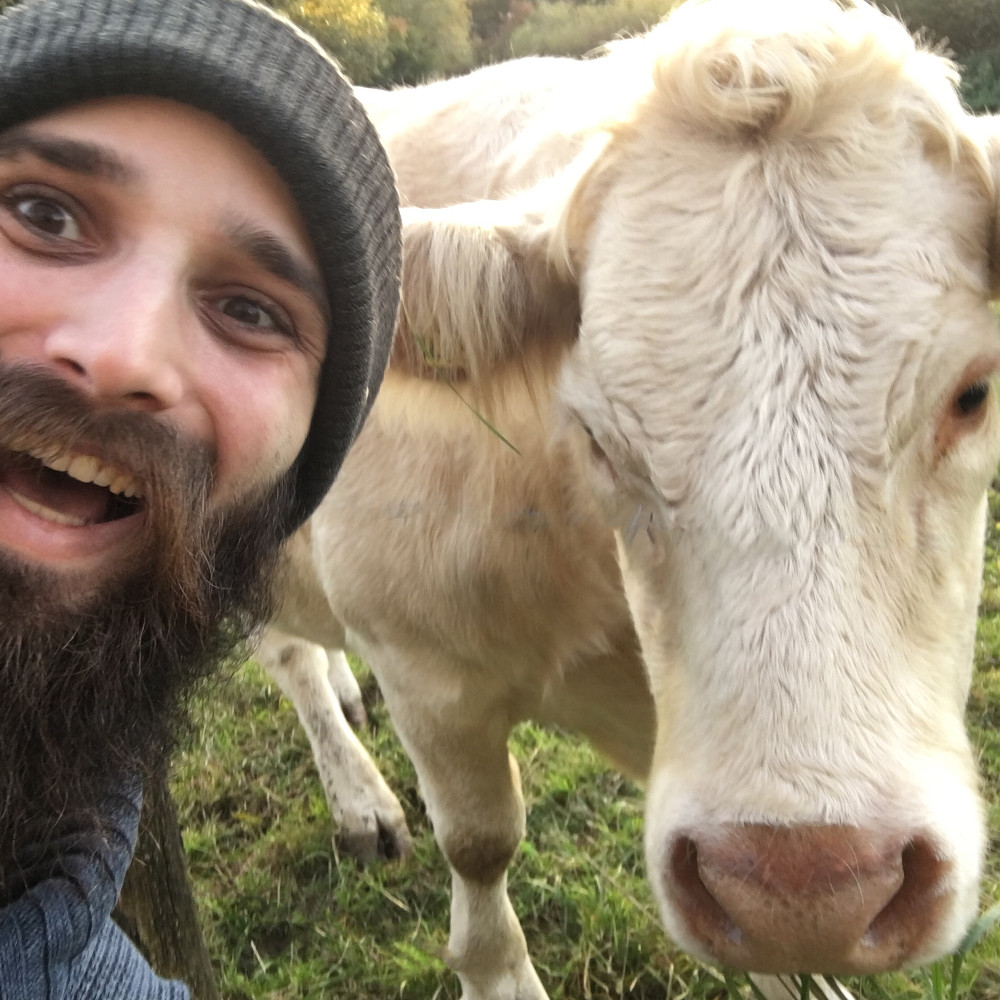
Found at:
[809, 297]
[788, 226]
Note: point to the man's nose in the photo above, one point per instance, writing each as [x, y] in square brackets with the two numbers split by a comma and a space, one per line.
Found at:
[123, 343]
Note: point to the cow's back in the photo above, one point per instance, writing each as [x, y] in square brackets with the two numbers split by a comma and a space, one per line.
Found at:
[491, 132]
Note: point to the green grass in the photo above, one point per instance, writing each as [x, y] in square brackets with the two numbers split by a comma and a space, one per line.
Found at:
[286, 918]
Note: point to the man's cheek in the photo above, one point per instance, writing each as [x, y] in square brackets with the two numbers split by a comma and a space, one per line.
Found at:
[261, 453]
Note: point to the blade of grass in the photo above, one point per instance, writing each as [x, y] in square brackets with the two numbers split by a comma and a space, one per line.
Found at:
[976, 933]
[432, 361]
[733, 991]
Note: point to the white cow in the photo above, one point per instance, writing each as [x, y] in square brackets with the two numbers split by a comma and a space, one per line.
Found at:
[737, 329]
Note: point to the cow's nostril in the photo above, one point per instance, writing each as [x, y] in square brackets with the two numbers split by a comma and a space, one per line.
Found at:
[840, 900]
[700, 907]
[903, 923]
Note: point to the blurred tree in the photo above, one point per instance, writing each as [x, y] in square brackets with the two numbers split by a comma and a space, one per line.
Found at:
[427, 38]
[981, 81]
[355, 32]
[488, 18]
[493, 22]
[970, 31]
[561, 27]
[966, 26]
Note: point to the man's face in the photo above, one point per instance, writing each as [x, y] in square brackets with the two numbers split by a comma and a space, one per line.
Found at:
[162, 326]
[152, 260]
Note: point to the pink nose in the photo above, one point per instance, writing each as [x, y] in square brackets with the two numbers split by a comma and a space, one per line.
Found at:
[839, 900]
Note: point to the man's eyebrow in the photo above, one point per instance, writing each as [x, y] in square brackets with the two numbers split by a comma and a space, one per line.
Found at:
[271, 254]
[76, 155]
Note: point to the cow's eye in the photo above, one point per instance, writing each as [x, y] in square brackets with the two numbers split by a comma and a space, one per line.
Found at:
[965, 414]
[971, 398]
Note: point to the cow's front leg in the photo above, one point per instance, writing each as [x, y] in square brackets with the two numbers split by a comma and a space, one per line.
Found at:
[455, 729]
[486, 946]
[370, 821]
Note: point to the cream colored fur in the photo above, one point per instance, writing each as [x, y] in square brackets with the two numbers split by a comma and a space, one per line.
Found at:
[724, 289]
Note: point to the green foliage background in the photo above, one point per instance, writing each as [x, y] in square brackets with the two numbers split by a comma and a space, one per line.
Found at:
[390, 42]
[562, 27]
[970, 31]
[386, 42]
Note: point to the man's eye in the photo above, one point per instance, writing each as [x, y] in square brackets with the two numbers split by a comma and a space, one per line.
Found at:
[46, 216]
[250, 313]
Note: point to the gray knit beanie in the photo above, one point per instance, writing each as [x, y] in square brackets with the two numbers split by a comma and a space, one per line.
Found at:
[239, 61]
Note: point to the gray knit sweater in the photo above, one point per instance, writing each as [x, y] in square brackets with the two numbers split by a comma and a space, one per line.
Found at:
[57, 941]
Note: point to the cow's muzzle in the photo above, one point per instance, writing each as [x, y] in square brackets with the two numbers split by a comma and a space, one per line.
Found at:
[824, 899]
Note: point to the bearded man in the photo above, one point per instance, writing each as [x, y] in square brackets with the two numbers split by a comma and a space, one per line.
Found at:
[199, 260]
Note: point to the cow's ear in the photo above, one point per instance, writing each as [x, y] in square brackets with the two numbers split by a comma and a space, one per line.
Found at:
[479, 291]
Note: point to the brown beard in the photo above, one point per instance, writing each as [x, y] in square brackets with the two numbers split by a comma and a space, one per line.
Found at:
[92, 689]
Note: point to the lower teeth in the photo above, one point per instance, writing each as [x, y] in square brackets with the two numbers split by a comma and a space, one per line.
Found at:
[45, 512]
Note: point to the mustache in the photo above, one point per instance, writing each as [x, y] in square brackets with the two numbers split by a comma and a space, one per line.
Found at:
[36, 404]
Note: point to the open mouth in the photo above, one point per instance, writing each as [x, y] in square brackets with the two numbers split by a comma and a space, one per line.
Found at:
[66, 487]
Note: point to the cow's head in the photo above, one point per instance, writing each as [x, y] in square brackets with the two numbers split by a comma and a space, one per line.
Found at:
[782, 255]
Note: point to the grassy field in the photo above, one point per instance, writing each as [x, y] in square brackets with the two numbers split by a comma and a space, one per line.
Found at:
[286, 918]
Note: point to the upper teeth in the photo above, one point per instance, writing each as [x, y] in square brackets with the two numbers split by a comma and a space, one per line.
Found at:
[83, 468]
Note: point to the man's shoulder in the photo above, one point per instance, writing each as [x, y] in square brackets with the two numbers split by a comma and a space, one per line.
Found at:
[111, 968]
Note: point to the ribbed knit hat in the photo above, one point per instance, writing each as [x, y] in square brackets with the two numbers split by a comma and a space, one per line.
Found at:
[239, 61]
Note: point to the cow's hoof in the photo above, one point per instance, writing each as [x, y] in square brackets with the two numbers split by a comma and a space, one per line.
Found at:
[354, 712]
[378, 842]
